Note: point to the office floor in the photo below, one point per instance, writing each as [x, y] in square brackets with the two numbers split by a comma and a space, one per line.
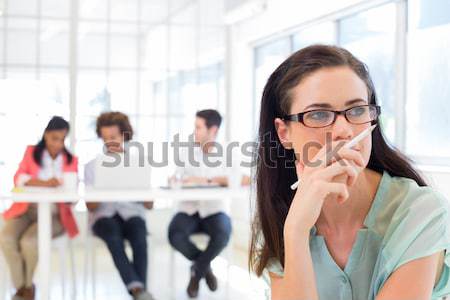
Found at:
[109, 286]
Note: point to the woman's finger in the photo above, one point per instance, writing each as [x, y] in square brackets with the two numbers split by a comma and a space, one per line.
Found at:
[334, 152]
[299, 167]
[351, 155]
[336, 169]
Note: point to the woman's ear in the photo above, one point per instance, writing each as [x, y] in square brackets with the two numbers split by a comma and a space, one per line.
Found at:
[283, 133]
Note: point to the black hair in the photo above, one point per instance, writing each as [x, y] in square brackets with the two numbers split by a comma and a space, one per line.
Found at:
[211, 116]
[56, 123]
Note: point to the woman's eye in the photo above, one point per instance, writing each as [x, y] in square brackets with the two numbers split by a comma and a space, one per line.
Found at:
[357, 111]
[319, 115]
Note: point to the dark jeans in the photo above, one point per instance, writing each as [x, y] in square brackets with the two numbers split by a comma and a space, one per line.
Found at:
[217, 226]
[114, 231]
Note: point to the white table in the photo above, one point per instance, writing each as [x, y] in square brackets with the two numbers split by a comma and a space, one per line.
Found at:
[44, 197]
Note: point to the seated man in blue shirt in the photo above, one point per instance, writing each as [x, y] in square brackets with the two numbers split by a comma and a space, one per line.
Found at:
[116, 222]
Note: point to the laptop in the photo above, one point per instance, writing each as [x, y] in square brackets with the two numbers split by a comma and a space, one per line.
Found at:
[124, 173]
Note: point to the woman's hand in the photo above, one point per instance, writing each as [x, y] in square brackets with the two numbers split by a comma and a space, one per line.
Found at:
[148, 204]
[195, 180]
[52, 182]
[92, 206]
[322, 179]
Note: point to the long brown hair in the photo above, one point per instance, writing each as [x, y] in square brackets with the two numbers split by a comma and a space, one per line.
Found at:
[273, 193]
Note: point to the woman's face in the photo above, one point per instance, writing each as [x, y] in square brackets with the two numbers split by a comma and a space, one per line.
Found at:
[54, 141]
[335, 88]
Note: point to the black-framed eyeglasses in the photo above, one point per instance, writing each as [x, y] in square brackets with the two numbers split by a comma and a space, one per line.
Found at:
[319, 118]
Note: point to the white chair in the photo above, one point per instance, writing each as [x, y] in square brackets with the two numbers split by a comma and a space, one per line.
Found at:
[5, 280]
[4, 274]
[62, 244]
[90, 263]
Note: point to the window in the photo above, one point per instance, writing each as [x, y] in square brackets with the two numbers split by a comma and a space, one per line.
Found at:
[370, 36]
[187, 92]
[34, 79]
[21, 127]
[267, 59]
[109, 74]
[324, 33]
[269, 56]
[21, 41]
[54, 43]
[428, 90]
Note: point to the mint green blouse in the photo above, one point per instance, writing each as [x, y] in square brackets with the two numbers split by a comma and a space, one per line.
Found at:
[405, 222]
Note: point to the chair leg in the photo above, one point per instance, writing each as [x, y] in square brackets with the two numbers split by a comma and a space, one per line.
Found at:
[88, 268]
[5, 283]
[172, 272]
[2, 281]
[85, 270]
[62, 262]
[229, 258]
[150, 261]
[73, 271]
[94, 270]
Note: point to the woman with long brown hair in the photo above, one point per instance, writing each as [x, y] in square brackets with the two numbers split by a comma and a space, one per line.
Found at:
[362, 223]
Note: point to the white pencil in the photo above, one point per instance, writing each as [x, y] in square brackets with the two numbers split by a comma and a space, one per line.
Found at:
[349, 145]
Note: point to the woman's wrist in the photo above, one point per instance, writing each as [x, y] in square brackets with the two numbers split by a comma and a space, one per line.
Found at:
[296, 234]
[296, 230]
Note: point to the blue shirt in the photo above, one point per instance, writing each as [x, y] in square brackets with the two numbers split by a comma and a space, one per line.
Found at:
[405, 222]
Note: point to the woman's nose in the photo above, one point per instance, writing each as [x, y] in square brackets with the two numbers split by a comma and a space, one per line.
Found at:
[342, 129]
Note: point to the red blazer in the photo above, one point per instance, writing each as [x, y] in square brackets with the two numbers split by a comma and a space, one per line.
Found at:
[30, 167]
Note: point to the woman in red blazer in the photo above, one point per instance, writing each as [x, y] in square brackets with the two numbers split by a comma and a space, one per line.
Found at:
[42, 165]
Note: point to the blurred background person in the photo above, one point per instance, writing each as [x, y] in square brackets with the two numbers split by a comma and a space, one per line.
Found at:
[43, 165]
[208, 217]
[115, 222]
